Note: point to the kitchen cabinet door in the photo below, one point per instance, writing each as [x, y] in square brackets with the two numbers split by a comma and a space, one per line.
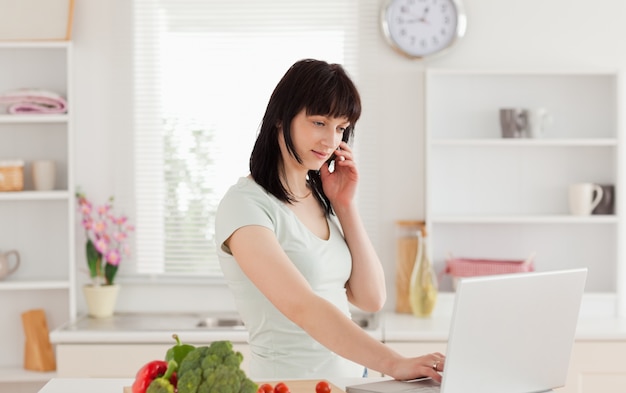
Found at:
[116, 360]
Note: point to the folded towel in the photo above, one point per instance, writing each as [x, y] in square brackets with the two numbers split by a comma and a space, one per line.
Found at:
[33, 101]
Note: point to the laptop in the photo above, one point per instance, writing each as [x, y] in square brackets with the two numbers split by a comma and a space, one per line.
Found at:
[509, 333]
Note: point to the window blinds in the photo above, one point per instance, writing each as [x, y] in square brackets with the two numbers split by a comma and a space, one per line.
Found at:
[203, 72]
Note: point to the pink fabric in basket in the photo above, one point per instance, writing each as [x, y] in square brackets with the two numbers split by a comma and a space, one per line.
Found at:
[467, 267]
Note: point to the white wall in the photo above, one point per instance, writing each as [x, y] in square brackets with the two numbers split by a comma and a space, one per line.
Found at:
[517, 34]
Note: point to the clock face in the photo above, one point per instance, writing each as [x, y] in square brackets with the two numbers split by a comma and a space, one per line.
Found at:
[419, 28]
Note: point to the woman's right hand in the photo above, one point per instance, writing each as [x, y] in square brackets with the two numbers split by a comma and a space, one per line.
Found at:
[423, 366]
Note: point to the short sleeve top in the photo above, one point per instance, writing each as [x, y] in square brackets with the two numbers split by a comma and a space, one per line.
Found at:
[279, 348]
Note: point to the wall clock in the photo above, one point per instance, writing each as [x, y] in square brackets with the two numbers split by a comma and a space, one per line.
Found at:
[422, 28]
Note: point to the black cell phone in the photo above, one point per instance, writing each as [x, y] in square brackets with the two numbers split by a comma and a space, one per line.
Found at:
[331, 160]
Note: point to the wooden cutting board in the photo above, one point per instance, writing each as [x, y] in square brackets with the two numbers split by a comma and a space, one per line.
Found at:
[295, 386]
[303, 385]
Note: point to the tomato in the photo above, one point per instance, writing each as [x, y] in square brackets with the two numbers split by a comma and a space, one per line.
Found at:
[322, 387]
[281, 388]
[265, 388]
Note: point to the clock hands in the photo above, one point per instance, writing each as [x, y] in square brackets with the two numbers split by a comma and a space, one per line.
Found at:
[421, 19]
[424, 15]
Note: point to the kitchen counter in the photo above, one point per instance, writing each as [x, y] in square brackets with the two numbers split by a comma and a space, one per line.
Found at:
[157, 328]
[116, 385]
[147, 328]
[154, 328]
[392, 327]
[406, 328]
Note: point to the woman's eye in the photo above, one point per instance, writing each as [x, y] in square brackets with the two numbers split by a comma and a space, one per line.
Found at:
[319, 123]
[341, 130]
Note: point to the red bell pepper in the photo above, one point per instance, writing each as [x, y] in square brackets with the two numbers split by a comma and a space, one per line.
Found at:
[148, 373]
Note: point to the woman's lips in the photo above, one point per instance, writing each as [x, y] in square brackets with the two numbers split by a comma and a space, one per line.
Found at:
[321, 156]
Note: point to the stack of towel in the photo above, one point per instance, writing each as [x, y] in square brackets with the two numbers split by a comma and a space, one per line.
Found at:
[27, 101]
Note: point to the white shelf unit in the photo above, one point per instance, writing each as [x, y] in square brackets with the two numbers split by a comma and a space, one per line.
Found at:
[490, 197]
[38, 224]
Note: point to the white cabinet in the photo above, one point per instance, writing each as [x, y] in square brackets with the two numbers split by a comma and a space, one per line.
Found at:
[491, 197]
[117, 360]
[38, 224]
[597, 367]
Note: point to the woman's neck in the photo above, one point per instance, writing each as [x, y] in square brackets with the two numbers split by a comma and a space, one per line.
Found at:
[296, 184]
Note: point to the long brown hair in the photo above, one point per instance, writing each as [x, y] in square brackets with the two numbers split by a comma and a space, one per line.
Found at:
[323, 89]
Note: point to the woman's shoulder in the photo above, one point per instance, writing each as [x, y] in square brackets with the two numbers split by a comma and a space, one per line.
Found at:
[245, 186]
[246, 190]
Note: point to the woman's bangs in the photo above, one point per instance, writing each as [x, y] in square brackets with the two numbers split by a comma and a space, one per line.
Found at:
[338, 101]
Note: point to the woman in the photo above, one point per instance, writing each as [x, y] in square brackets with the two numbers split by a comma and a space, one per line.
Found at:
[292, 245]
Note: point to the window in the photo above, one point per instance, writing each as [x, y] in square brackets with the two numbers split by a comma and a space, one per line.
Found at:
[203, 73]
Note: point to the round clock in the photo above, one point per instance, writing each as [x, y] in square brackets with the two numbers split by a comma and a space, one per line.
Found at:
[422, 28]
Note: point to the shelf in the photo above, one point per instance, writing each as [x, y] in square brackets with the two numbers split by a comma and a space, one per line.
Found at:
[23, 119]
[18, 374]
[526, 219]
[34, 195]
[33, 285]
[496, 142]
[34, 44]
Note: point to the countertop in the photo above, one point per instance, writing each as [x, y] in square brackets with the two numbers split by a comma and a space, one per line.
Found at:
[407, 328]
[157, 328]
[391, 327]
[115, 385]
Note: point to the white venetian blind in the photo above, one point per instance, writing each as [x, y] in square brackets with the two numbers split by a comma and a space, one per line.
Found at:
[203, 72]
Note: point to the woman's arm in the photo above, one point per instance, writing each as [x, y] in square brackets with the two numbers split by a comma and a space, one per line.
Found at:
[366, 285]
[261, 258]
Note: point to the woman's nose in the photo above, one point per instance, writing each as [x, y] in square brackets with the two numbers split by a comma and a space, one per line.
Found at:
[331, 139]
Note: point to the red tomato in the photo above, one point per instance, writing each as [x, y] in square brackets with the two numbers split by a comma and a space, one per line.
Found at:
[281, 388]
[322, 387]
[265, 388]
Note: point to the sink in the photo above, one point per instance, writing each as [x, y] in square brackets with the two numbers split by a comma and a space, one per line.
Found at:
[367, 321]
[221, 323]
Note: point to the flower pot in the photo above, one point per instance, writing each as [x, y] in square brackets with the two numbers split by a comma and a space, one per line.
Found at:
[101, 299]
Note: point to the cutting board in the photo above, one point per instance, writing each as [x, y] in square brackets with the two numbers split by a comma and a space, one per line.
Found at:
[295, 386]
[303, 385]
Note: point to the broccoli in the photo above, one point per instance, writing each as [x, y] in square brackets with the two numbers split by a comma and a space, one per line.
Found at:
[166, 383]
[160, 385]
[214, 369]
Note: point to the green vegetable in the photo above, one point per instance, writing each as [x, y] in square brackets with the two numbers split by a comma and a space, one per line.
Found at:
[179, 351]
[163, 384]
[214, 369]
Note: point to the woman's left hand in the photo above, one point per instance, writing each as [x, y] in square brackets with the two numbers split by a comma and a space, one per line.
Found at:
[340, 185]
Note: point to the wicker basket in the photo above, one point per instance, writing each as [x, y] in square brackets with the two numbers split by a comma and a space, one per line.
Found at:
[12, 175]
[468, 267]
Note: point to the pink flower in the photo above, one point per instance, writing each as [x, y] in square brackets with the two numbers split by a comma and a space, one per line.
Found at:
[114, 257]
[101, 245]
[99, 227]
[107, 237]
[119, 236]
[103, 209]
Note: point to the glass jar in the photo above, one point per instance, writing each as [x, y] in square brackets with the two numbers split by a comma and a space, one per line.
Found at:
[423, 285]
[407, 246]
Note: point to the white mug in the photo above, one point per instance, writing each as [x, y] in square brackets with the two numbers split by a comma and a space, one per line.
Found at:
[44, 174]
[538, 119]
[583, 198]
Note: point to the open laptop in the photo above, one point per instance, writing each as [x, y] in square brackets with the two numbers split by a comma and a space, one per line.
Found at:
[509, 333]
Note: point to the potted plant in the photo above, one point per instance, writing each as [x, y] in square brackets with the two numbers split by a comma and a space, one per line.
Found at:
[107, 243]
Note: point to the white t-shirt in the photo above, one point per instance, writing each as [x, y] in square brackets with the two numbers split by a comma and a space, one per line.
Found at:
[281, 349]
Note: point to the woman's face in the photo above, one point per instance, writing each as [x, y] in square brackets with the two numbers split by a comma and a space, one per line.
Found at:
[315, 138]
